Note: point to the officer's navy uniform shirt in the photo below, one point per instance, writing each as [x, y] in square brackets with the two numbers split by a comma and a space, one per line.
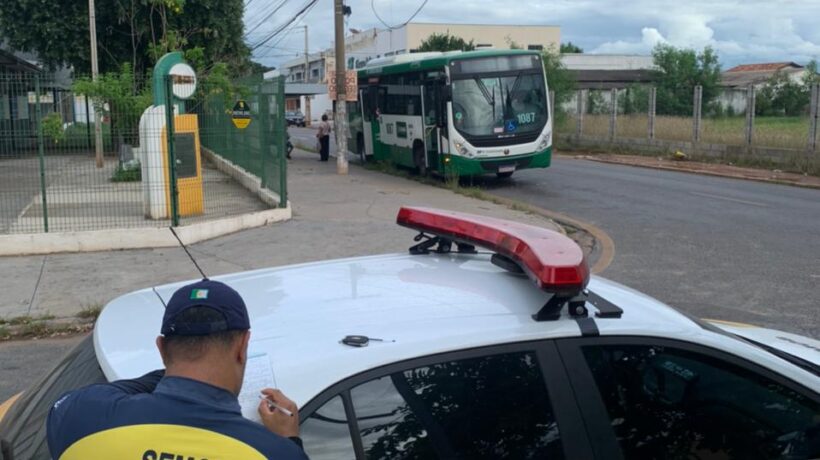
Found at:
[180, 418]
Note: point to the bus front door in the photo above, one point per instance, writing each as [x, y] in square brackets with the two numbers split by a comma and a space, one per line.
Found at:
[430, 103]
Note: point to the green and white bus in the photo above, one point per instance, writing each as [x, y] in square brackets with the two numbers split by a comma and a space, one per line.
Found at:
[454, 113]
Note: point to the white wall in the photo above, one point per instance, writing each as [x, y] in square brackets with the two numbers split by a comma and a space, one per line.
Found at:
[319, 104]
[607, 61]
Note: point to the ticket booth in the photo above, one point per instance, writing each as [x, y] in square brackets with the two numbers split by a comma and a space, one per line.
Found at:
[188, 158]
[154, 146]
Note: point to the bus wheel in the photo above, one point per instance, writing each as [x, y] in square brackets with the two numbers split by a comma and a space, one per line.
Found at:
[360, 148]
[418, 159]
[504, 175]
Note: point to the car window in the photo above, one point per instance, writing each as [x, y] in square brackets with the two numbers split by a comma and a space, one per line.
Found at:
[326, 435]
[487, 407]
[665, 402]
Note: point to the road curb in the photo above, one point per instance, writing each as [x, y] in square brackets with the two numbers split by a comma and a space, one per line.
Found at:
[135, 238]
[604, 249]
[701, 172]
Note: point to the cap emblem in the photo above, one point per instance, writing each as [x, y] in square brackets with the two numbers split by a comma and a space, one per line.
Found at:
[199, 294]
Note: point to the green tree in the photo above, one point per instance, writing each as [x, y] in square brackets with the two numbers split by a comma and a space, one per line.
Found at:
[559, 79]
[132, 31]
[116, 94]
[53, 127]
[570, 47]
[812, 76]
[634, 99]
[783, 96]
[445, 42]
[679, 71]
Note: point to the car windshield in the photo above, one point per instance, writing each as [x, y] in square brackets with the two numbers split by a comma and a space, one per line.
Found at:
[486, 106]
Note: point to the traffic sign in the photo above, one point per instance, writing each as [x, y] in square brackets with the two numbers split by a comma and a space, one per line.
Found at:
[351, 87]
[241, 114]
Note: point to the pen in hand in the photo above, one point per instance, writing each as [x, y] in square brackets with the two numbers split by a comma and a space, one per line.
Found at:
[272, 405]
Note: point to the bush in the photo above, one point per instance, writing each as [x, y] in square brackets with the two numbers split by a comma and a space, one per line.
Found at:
[53, 127]
[77, 136]
[127, 174]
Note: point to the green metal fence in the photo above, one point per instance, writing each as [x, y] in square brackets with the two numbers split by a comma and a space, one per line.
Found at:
[51, 179]
[258, 148]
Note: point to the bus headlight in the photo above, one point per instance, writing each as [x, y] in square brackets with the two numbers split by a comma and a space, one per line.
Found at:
[463, 150]
[545, 140]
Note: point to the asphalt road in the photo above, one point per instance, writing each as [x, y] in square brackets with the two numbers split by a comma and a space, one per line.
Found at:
[21, 362]
[715, 247]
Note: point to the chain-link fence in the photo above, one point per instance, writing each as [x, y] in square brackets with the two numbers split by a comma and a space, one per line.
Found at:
[732, 123]
[63, 170]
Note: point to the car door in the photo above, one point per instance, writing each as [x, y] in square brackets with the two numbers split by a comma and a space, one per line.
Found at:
[501, 402]
[654, 398]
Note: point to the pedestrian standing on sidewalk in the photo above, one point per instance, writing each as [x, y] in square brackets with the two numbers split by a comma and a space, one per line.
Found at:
[324, 139]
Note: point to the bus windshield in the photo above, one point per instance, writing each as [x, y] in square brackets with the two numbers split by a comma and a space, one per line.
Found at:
[500, 106]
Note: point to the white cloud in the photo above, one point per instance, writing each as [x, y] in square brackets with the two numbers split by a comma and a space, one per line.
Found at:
[739, 30]
[650, 37]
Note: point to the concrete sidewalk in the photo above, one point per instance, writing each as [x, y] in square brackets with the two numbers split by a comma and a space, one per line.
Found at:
[334, 216]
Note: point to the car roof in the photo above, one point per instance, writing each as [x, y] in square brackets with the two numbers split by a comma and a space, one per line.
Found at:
[418, 304]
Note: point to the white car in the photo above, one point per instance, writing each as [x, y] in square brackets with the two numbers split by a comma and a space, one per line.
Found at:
[512, 351]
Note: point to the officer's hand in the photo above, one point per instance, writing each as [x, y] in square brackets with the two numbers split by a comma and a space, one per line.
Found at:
[274, 419]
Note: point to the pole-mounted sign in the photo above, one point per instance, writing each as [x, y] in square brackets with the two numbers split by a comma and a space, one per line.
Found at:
[241, 115]
[183, 79]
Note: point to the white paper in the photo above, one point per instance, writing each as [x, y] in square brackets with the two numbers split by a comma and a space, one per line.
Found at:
[258, 376]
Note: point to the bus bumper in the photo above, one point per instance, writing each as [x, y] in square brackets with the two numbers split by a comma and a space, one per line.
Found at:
[461, 166]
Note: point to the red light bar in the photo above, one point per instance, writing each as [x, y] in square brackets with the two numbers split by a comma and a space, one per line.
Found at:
[554, 262]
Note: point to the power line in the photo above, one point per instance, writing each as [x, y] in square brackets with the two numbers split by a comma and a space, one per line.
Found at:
[308, 6]
[276, 8]
[389, 27]
[284, 34]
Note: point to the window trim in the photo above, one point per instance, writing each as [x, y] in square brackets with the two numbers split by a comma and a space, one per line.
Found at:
[567, 414]
[592, 406]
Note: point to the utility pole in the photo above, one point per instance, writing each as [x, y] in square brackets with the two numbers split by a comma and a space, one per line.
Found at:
[307, 72]
[98, 141]
[341, 85]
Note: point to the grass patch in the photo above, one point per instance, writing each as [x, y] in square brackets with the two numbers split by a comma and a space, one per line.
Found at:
[25, 319]
[90, 311]
[127, 175]
[33, 329]
[775, 132]
[4, 333]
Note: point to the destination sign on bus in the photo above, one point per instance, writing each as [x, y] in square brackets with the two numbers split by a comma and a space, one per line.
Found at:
[498, 64]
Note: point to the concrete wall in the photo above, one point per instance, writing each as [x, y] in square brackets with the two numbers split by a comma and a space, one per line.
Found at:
[734, 98]
[373, 44]
[573, 61]
[486, 34]
[319, 104]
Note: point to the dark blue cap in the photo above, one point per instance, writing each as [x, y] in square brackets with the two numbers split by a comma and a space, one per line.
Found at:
[219, 297]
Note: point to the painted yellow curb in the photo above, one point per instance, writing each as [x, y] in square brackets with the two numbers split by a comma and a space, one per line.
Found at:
[607, 245]
[7, 405]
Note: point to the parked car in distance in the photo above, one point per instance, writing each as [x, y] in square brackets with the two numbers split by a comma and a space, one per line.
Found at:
[295, 118]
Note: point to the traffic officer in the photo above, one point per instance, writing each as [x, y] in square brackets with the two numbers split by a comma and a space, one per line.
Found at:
[189, 410]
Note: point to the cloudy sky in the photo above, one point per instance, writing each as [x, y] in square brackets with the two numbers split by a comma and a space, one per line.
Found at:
[740, 31]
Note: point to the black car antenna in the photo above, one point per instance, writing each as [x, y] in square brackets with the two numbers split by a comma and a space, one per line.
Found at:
[204, 276]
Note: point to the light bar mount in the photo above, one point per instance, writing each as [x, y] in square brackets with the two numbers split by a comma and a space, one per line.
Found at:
[577, 307]
[444, 245]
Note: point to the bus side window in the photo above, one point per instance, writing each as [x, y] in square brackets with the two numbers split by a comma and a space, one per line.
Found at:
[371, 95]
